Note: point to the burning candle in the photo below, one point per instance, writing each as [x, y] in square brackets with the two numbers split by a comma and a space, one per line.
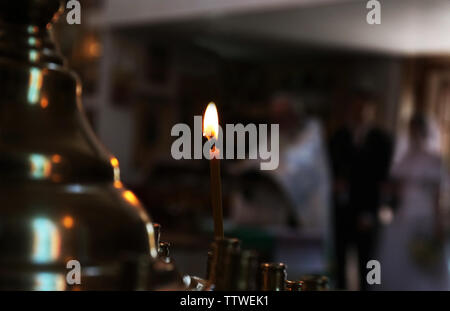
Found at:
[211, 130]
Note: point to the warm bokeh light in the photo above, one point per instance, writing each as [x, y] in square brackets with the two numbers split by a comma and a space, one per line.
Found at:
[92, 48]
[44, 102]
[68, 222]
[130, 197]
[114, 162]
[56, 158]
[57, 178]
[211, 122]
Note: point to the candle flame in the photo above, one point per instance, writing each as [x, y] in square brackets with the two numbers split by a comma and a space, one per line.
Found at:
[211, 122]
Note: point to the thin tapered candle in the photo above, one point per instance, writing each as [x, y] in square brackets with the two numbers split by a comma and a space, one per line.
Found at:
[216, 194]
[211, 130]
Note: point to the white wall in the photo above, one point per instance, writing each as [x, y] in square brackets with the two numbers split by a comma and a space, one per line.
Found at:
[119, 12]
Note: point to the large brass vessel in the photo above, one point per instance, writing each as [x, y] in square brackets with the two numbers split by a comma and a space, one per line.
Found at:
[61, 198]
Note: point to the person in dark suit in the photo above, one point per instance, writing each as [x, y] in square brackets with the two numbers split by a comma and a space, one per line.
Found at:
[360, 155]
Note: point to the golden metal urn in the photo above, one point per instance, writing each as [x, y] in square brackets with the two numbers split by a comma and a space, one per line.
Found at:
[61, 198]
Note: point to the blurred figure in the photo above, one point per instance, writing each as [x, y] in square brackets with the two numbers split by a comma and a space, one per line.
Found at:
[411, 247]
[303, 171]
[297, 194]
[294, 198]
[433, 142]
[360, 154]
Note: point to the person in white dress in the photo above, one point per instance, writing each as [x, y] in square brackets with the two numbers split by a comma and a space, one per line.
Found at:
[411, 251]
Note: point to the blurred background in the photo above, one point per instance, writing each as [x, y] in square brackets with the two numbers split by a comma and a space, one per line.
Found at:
[344, 93]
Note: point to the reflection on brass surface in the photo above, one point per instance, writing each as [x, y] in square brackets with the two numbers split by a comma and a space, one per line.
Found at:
[231, 268]
[273, 276]
[222, 250]
[314, 282]
[248, 271]
[60, 197]
[164, 251]
[294, 286]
